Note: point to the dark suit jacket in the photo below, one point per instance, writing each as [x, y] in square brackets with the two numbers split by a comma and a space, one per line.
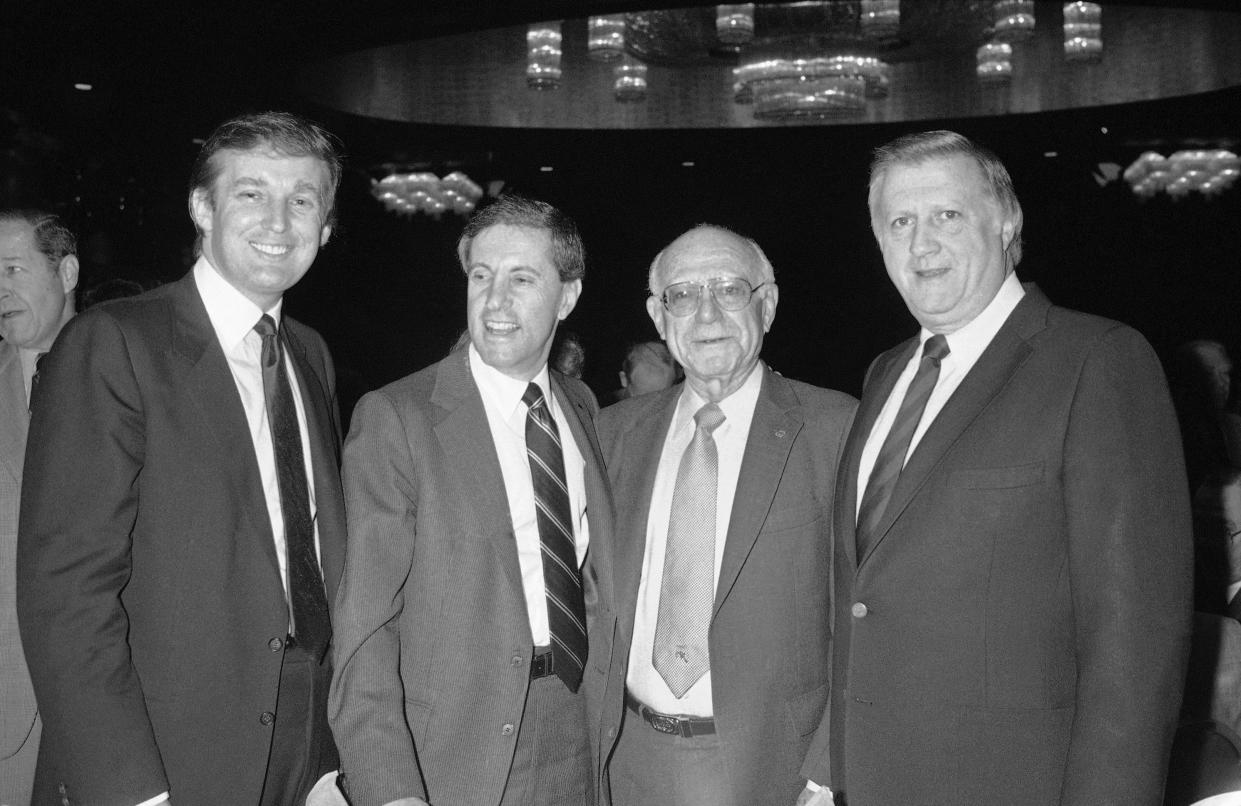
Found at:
[149, 588]
[433, 642]
[1017, 633]
[770, 637]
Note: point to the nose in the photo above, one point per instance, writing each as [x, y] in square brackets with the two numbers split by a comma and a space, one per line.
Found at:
[277, 219]
[497, 294]
[708, 310]
[923, 241]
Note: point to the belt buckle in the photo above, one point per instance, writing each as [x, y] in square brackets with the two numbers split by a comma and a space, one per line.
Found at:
[665, 724]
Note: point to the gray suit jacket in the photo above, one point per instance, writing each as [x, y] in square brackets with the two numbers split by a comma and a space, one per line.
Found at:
[17, 705]
[433, 642]
[1017, 631]
[770, 637]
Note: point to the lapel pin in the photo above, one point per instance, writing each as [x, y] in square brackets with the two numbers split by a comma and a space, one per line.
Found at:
[780, 433]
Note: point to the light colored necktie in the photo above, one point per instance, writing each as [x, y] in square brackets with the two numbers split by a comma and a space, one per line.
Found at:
[687, 593]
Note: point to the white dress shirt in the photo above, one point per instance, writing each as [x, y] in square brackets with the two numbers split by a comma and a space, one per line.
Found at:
[506, 417]
[965, 346]
[643, 681]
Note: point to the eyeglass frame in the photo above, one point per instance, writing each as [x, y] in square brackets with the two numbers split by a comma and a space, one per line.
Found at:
[709, 286]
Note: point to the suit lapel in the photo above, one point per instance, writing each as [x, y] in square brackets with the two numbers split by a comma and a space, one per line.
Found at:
[16, 418]
[878, 388]
[578, 414]
[773, 429]
[325, 461]
[473, 464]
[633, 482]
[210, 387]
[1002, 358]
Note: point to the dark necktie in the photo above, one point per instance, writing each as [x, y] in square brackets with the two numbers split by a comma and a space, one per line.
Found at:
[34, 379]
[562, 581]
[687, 591]
[308, 601]
[891, 458]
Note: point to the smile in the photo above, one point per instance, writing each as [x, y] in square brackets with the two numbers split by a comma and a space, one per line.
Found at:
[500, 328]
[275, 250]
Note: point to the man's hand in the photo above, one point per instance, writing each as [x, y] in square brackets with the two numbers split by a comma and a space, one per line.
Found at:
[814, 797]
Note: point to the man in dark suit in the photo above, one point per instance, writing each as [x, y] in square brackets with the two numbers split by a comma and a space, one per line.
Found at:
[181, 511]
[1012, 572]
[724, 488]
[38, 273]
[474, 620]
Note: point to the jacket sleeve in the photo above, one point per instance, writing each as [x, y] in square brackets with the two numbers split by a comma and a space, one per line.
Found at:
[84, 459]
[366, 704]
[1130, 554]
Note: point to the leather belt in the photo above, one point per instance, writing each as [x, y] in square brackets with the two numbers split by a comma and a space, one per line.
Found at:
[542, 664]
[686, 726]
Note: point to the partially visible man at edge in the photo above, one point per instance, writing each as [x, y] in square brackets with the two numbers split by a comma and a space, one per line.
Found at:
[38, 275]
[1013, 552]
[182, 524]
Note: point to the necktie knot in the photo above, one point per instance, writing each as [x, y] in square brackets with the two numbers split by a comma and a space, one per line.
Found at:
[533, 398]
[936, 348]
[709, 417]
[266, 328]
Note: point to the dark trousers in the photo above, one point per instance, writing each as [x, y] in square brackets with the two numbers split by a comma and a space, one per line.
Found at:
[302, 750]
[650, 768]
[551, 764]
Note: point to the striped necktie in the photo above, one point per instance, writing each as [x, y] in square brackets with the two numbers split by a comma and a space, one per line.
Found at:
[562, 580]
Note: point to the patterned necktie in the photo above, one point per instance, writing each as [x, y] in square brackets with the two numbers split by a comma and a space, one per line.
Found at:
[307, 598]
[562, 580]
[891, 458]
[687, 592]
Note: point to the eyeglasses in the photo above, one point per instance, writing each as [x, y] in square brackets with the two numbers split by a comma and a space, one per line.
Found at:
[730, 293]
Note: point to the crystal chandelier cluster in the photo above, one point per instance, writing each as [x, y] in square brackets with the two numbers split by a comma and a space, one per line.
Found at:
[1209, 172]
[1012, 21]
[413, 192]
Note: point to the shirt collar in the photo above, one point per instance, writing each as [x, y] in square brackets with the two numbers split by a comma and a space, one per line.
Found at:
[968, 342]
[232, 314]
[502, 393]
[736, 407]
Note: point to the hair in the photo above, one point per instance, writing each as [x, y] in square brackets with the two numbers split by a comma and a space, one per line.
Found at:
[51, 236]
[914, 149]
[281, 132]
[650, 352]
[514, 210]
[570, 356]
[760, 258]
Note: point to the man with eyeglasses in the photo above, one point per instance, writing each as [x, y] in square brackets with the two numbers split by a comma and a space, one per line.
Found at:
[724, 489]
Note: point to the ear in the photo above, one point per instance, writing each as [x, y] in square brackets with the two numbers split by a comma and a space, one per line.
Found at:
[624, 379]
[1007, 228]
[68, 270]
[325, 234]
[201, 209]
[569, 292]
[771, 298]
[655, 309]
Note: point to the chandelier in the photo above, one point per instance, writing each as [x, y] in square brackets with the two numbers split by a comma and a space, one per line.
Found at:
[1209, 172]
[411, 192]
[816, 59]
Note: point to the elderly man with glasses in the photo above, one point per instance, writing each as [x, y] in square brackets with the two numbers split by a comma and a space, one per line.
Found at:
[723, 487]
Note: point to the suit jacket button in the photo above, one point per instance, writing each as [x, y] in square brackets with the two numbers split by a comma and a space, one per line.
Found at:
[508, 729]
[516, 661]
[275, 645]
[267, 717]
[860, 610]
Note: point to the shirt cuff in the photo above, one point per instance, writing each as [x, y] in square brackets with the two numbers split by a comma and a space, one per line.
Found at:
[160, 798]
